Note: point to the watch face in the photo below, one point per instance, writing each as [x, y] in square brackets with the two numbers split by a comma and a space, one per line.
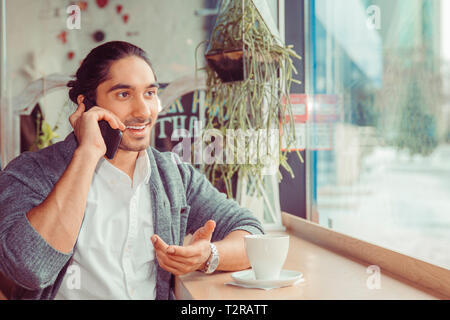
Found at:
[214, 260]
[214, 263]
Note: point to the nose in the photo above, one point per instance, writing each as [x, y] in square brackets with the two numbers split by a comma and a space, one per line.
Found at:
[142, 109]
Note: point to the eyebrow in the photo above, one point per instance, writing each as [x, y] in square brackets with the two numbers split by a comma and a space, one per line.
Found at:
[127, 86]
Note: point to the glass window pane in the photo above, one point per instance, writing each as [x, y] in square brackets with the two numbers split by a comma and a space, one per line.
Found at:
[380, 122]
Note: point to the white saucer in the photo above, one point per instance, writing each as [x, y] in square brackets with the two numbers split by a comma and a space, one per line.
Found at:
[247, 277]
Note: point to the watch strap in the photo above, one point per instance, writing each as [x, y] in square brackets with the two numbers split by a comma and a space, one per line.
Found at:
[213, 260]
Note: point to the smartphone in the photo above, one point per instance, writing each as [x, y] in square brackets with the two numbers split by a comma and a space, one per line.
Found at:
[112, 137]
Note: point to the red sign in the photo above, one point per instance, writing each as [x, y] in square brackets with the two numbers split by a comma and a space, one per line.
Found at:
[299, 107]
[324, 111]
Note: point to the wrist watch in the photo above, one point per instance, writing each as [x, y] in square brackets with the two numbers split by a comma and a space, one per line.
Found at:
[213, 261]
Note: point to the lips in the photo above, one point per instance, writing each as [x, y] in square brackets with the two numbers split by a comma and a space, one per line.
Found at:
[137, 126]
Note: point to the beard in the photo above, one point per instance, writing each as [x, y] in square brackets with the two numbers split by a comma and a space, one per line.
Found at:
[137, 146]
[131, 142]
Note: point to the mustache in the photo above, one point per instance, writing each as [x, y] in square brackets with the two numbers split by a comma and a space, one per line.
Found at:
[138, 122]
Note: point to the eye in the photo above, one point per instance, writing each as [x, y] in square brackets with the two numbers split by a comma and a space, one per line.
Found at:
[123, 94]
[150, 93]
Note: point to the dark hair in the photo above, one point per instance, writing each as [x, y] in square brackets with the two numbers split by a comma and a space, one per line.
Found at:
[95, 67]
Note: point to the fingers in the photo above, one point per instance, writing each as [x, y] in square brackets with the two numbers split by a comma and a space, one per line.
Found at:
[185, 252]
[165, 260]
[159, 243]
[98, 114]
[179, 264]
[111, 118]
[180, 260]
[173, 267]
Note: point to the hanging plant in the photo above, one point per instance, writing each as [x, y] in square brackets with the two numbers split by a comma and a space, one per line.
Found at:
[249, 72]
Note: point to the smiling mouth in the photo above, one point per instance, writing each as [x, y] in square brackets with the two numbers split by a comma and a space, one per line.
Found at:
[137, 131]
[136, 127]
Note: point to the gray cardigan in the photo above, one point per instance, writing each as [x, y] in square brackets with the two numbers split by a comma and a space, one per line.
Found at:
[182, 201]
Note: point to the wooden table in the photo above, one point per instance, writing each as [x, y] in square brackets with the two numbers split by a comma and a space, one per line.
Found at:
[327, 275]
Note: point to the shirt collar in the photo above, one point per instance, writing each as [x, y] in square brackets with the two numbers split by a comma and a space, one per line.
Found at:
[142, 170]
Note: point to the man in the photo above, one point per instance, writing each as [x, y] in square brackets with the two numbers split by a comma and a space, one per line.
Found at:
[75, 225]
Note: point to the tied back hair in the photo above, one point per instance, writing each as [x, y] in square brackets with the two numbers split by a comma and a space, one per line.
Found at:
[95, 67]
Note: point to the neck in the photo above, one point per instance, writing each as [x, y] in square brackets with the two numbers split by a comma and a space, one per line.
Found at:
[125, 161]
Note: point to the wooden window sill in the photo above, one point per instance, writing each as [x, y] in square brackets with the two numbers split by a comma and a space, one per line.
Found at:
[329, 272]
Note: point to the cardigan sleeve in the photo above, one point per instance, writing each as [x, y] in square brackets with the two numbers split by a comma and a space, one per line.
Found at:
[25, 257]
[207, 202]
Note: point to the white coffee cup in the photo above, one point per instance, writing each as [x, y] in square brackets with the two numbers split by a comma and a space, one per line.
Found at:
[267, 254]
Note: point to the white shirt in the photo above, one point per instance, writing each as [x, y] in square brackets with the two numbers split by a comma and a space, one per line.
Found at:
[114, 257]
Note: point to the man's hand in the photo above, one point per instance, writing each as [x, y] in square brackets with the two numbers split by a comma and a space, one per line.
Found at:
[86, 129]
[182, 260]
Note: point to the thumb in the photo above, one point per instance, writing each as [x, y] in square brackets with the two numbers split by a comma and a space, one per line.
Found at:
[80, 109]
[77, 114]
[205, 232]
[209, 226]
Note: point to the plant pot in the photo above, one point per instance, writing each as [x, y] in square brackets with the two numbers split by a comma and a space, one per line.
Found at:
[228, 64]
[262, 198]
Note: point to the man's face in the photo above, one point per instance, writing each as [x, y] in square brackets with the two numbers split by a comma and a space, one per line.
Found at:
[130, 92]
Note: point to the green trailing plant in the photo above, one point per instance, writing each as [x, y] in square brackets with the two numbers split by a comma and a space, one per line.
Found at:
[44, 132]
[255, 102]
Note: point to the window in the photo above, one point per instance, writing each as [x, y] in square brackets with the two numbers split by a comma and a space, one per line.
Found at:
[379, 122]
